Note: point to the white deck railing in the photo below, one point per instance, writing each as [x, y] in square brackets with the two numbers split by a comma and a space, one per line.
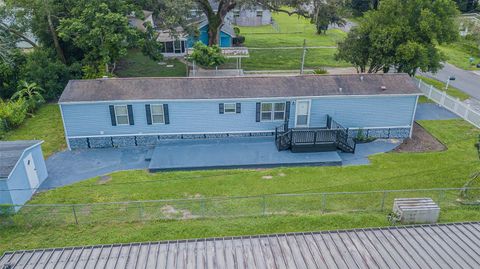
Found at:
[453, 104]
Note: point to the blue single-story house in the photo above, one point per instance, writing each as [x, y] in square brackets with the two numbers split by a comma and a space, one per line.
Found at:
[22, 170]
[319, 110]
[177, 45]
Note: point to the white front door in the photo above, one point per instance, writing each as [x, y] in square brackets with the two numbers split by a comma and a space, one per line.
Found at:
[302, 115]
[31, 172]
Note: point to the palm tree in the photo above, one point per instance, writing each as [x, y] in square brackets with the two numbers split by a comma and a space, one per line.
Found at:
[32, 93]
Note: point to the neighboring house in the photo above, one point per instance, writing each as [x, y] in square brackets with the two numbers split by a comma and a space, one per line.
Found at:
[250, 16]
[124, 112]
[22, 170]
[139, 23]
[177, 45]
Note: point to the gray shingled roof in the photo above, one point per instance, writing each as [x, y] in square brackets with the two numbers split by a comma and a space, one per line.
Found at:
[423, 246]
[10, 153]
[110, 89]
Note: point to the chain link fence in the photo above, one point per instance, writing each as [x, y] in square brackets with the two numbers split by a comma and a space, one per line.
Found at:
[229, 207]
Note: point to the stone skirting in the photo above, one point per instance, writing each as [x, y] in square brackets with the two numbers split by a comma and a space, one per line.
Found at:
[152, 140]
[148, 140]
[399, 133]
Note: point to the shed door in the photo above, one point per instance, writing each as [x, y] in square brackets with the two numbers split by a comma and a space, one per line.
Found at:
[31, 171]
[302, 117]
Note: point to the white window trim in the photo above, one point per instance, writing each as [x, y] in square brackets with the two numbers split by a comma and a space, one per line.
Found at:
[116, 116]
[152, 114]
[230, 112]
[272, 117]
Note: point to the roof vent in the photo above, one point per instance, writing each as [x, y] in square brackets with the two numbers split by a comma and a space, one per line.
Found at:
[383, 88]
[340, 89]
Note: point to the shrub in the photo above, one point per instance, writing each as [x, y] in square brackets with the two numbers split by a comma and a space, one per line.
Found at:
[207, 56]
[238, 40]
[48, 72]
[320, 71]
[236, 30]
[31, 93]
[12, 113]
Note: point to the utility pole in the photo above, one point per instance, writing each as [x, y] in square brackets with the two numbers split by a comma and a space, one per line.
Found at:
[303, 55]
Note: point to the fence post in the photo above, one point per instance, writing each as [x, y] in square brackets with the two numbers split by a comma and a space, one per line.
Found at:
[324, 202]
[430, 92]
[442, 197]
[140, 210]
[202, 207]
[264, 205]
[383, 200]
[466, 111]
[74, 214]
[455, 106]
[442, 100]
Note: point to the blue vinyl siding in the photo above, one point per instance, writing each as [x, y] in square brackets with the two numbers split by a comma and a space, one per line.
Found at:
[363, 112]
[5, 197]
[225, 39]
[93, 119]
[18, 184]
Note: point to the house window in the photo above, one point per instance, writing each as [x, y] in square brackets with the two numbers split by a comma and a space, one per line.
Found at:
[158, 116]
[273, 111]
[177, 46]
[260, 13]
[230, 108]
[169, 47]
[236, 13]
[121, 115]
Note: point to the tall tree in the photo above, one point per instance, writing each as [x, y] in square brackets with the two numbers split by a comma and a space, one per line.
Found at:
[216, 17]
[403, 35]
[40, 17]
[327, 13]
[100, 28]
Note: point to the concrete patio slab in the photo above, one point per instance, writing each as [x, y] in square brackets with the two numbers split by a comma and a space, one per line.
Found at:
[431, 111]
[362, 151]
[248, 152]
[72, 166]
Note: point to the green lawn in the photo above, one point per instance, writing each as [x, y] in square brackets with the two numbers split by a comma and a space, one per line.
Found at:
[450, 168]
[459, 53]
[135, 64]
[292, 31]
[452, 91]
[46, 125]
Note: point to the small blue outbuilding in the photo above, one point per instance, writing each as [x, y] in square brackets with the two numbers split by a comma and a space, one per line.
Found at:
[22, 170]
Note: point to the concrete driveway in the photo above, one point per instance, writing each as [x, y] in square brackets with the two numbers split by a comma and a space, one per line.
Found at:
[466, 81]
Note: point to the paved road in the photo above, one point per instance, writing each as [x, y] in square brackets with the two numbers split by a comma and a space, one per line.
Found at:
[466, 81]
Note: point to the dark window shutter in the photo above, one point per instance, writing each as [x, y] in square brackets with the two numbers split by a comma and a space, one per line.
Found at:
[239, 107]
[149, 114]
[112, 115]
[221, 108]
[259, 105]
[287, 110]
[166, 114]
[130, 114]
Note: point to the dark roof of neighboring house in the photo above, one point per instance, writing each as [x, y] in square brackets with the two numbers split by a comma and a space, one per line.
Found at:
[422, 246]
[10, 153]
[113, 89]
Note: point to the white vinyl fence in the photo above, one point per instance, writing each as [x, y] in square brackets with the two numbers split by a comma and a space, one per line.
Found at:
[451, 103]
